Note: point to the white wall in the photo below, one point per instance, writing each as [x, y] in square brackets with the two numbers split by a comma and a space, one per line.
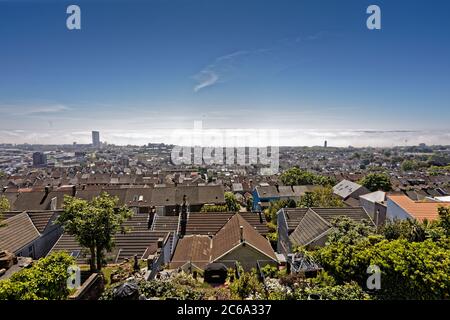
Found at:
[395, 211]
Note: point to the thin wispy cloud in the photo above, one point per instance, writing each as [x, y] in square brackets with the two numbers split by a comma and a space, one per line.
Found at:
[33, 110]
[214, 72]
[222, 67]
[206, 78]
[47, 110]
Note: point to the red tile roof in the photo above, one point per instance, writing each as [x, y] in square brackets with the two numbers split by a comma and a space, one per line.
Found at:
[417, 209]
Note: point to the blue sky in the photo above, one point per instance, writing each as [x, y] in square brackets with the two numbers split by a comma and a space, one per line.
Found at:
[311, 68]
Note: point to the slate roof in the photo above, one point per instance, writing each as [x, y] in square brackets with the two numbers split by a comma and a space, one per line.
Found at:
[306, 225]
[377, 196]
[17, 232]
[140, 243]
[193, 248]
[229, 237]
[31, 199]
[283, 191]
[165, 223]
[357, 214]
[138, 222]
[310, 227]
[294, 216]
[345, 188]
[206, 223]
[41, 219]
[210, 223]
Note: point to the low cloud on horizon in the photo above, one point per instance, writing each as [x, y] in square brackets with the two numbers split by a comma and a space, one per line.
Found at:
[285, 137]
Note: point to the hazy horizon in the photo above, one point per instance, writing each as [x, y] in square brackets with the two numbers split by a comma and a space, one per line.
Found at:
[294, 138]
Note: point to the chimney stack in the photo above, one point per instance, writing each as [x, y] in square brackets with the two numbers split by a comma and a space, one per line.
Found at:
[242, 233]
[74, 191]
[183, 217]
[278, 187]
[160, 243]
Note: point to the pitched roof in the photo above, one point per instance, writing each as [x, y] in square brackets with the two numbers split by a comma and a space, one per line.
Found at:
[310, 227]
[17, 232]
[41, 219]
[210, 223]
[165, 223]
[283, 191]
[418, 210]
[138, 222]
[32, 200]
[355, 213]
[193, 248]
[294, 216]
[257, 221]
[345, 188]
[140, 243]
[229, 237]
[306, 225]
[207, 223]
[377, 196]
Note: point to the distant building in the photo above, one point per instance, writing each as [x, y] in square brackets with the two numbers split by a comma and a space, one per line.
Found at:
[401, 207]
[348, 189]
[96, 139]
[39, 159]
[325, 144]
[263, 195]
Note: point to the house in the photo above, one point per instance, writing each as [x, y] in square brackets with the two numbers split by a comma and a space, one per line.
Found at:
[236, 241]
[165, 200]
[375, 205]
[310, 226]
[135, 238]
[143, 244]
[402, 207]
[168, 199]
[264, 194]
[29, 233]
[347, 189]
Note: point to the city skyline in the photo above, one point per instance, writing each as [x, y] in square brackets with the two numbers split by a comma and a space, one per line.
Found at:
[310, 69]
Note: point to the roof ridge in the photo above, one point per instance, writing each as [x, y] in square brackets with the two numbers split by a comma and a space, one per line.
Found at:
[323, 220]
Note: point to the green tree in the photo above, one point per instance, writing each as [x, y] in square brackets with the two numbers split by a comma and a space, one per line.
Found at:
[231, 201]
[4, 206]
[444, 219]
[376, 181]
[411, 230]
[249, 204]
[248, 284]
[45, 280]
[275, 206]
[409, 270]
[295, 176]
[348, 231]
[94, 223]
[321, 197]
[409, 165]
